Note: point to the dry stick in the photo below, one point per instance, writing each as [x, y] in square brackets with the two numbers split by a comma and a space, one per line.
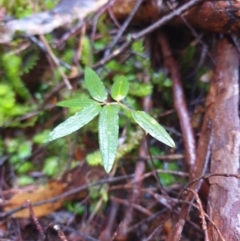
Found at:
[182, 113]
[167, 200]
[176, 232]
[80, 45]
[71, 33]
[156, 230]
[193, 31]
[135, 37]
[203, 153]
[147, 31]
[112, 16]
[149, 174]
[170, 157]
[34, 218]
[208, 218]
[145, 221]
[179, 103]
[135, 197]
[144, 148]
[185, 124]
[133, 205]
[85, 236]
[202, 159]
[108, 233]
[95, 21]
[123, 28]
[97, 15]
[170, 204]
[61, 235]
[55, 60]
[202, 213]
[173, 200]
[205, 177]
[94, 211]
[159, 184]
[17, 231]
[147, 102]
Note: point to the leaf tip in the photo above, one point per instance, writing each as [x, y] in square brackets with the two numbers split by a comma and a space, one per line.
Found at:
[172, 143]
[107, 169]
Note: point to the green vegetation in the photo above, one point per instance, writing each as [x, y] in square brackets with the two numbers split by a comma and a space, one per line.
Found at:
[123, 83]
[108, 121]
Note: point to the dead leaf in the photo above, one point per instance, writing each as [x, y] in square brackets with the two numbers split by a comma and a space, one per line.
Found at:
[74, 178]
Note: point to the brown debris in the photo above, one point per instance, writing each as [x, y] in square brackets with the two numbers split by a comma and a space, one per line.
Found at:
[76, 177]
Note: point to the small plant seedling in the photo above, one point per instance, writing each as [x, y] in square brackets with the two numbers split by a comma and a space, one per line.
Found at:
[108, 116]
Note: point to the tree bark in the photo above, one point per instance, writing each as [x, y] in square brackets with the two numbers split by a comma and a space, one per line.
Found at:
[222, 103]
[217, 16]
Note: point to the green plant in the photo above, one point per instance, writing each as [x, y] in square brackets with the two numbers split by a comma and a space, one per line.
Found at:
[74, 207]
[108, 121]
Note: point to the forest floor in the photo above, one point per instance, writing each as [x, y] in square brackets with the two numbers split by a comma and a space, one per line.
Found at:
[60, 190]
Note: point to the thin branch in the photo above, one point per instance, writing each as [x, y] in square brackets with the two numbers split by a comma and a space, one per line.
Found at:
[134, 199]
[80, 45]
[135, 37]
[179, 103]
[202, 213]
[34, 218]
[123, 28]
[133, 205]
[55, 60]
[193, 31]
[205, 177]
[61, 235]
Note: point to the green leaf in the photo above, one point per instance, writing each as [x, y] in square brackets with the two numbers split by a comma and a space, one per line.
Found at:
[152, 127]
[26, 167]
[81, 102]
[108, 134]
[94, 158]
[87, 53]
[24, 149]
[95, 85]
[25, 180]
[140, 89]
[120, 88]
[74, 122]
[138, 46]
[51, 165]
